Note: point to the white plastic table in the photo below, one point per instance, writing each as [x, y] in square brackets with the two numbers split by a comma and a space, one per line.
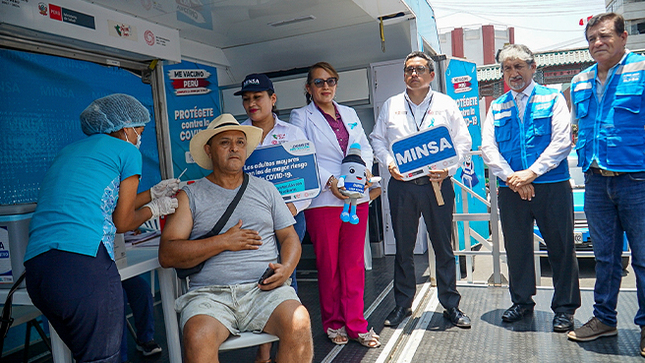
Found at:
[140, 260]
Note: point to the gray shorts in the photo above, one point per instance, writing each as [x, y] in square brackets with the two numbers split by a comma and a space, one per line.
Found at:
[240, 308]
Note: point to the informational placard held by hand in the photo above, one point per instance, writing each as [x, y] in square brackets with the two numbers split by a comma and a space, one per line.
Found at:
[290, 166]
[428, 149]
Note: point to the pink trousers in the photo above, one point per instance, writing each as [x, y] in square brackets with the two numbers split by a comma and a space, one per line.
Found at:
[341, 267]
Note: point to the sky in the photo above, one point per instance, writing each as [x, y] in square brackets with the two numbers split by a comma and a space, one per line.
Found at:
[542, 25]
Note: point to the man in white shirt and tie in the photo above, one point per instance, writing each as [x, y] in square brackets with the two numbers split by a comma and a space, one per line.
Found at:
[526, 139]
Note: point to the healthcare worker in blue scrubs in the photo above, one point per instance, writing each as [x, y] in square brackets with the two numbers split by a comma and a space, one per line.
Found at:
[88, 194]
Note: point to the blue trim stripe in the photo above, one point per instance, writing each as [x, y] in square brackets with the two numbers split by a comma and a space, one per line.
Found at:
[15, 217]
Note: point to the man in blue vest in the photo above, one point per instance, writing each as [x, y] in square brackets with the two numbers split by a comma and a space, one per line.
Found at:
[525, 142]
[608, 104]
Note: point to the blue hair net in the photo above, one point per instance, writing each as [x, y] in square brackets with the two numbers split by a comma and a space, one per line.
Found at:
[112, 113]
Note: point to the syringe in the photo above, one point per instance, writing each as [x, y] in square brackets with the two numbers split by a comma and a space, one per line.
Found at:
[182, 173]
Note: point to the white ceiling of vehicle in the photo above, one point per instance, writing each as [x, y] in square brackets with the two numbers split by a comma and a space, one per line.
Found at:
[342, 32]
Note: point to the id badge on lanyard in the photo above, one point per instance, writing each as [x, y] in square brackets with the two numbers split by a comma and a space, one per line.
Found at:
[418, 125]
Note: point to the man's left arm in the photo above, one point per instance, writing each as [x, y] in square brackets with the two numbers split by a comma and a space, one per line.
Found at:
[557, 150]
[290, 250]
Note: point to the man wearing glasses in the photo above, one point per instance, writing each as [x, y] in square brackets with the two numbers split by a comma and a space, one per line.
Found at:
[526, 139]
[417, 108]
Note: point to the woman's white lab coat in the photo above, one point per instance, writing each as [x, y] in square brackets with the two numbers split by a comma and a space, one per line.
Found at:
[328, 151]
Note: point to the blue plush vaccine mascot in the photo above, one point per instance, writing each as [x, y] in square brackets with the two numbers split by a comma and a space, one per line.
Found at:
[353, 178]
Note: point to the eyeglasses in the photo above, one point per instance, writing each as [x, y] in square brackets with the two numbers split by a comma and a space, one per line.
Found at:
[418, 69]
[331, 82]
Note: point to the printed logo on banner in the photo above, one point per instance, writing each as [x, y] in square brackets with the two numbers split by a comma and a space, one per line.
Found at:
[149, 37]
[68, 16]
[9, 87]
[42, 9]
[189, 81]
[55, 12]
[122, 30]
[462, 84]
[300, 147]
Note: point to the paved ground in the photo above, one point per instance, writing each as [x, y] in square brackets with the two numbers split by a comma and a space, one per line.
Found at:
[488, 341]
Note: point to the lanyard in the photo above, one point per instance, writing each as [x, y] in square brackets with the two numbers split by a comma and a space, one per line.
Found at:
[424, 114]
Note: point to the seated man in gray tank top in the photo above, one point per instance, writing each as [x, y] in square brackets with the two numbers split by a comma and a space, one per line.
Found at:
[225, 297]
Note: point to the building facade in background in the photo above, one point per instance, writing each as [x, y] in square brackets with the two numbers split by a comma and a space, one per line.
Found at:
[478, 44]
[634, 13]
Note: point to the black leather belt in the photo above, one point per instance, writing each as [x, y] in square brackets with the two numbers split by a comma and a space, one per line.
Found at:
[604, 172]
[420, 181]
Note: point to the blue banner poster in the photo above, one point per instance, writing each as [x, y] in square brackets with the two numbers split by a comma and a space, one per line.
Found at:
[462, 86]
[41, 99]
[192, 99]
[290, 166]
[429, 149]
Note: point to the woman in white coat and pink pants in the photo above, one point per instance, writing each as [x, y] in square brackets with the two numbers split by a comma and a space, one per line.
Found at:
[338, 245]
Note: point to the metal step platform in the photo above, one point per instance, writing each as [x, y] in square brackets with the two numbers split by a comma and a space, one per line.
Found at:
[428, 337]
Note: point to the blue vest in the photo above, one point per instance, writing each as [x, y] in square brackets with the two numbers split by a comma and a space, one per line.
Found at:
[521, 143]
[611, 131]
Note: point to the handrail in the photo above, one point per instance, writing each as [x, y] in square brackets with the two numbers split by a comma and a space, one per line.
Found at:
[470, 191]
[537, 253]
[493, 244]
[492, 217]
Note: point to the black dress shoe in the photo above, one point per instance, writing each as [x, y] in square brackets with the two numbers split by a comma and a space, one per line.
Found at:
[457, 318]
[397, 315]
[562, 322]
[516, 313]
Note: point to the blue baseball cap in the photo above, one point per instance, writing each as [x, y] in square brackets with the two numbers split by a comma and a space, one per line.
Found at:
[256, 82]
